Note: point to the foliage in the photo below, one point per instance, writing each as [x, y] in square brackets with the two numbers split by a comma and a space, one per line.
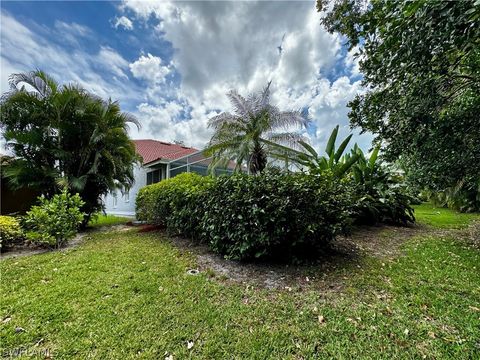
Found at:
[274, 215]
[336, 162]
[10, 231]
[55, 220]
[420, 62]
[464, 196]
[380, 192]
[382, 204]
[64, 137]
[175, 203]
[450, 171]
[257, 130]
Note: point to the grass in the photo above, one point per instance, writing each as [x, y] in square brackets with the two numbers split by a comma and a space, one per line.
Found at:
[128, 295]
[108, 220]
[438, 217]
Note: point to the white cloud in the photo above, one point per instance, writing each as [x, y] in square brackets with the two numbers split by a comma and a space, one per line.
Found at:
[124, 22]
[7, 69]
[71, 32]
[224, 45]
[72, 28]
[163, 122]
[352, 61]
[217, 46]
[149, 68]
[24, 50]
[112, 60]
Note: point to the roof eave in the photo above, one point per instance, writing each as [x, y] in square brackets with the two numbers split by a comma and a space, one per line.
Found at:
[156, 162]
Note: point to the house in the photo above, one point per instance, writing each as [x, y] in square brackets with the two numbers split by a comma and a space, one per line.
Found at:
[161, 160]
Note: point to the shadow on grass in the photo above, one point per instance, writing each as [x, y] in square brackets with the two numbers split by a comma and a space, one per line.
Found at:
[327, 272]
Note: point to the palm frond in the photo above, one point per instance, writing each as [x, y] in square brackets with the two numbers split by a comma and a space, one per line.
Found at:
[43, 84]
[247, 134]
[290, 139]
[224, 118]
[240, 105]
[287, 119]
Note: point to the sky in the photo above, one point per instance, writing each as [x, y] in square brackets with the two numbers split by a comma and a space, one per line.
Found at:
[171, 63]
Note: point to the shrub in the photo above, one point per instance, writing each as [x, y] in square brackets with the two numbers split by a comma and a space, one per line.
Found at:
[463, 197]
[174, 203]
[54, 221]
[380, 193]
[273, 215]
[382, 204]
[10, 231]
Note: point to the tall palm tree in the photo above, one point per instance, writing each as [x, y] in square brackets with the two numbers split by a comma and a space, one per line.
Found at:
[62, 136]
[255, 131]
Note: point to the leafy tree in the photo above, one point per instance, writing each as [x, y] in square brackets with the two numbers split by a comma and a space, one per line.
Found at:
[254, 132]
[64, 137]
[421, 66]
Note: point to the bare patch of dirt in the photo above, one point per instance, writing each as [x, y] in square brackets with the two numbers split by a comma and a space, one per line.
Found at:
[378, 241]
[474, 234]
[264, 275]
[22, 251]
[471, 235]
[327, 274]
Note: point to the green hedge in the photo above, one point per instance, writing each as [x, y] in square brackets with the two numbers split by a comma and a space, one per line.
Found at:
[174, 203]
[272, 215]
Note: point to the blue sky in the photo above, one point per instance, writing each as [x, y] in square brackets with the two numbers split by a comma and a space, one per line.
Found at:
[171, 63]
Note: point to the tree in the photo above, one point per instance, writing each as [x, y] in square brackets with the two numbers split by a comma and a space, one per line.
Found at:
[257, 130]
[64, 137]
[420, 61]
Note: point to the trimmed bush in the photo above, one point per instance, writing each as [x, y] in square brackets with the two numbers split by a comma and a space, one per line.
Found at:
[243, 217]
[10, 232]
[274, 215]
[174, 203]
[54, 221]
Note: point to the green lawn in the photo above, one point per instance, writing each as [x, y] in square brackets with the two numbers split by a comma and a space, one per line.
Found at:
[125, 295]
[108, 220]
[441, 217]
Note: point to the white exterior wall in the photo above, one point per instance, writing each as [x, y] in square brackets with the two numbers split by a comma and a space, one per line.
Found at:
[125, 204]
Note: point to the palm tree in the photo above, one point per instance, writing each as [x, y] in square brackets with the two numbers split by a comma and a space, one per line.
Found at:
[256, 131]
[62, 136]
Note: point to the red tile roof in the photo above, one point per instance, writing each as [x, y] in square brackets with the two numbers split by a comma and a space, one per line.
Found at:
[152, 150]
